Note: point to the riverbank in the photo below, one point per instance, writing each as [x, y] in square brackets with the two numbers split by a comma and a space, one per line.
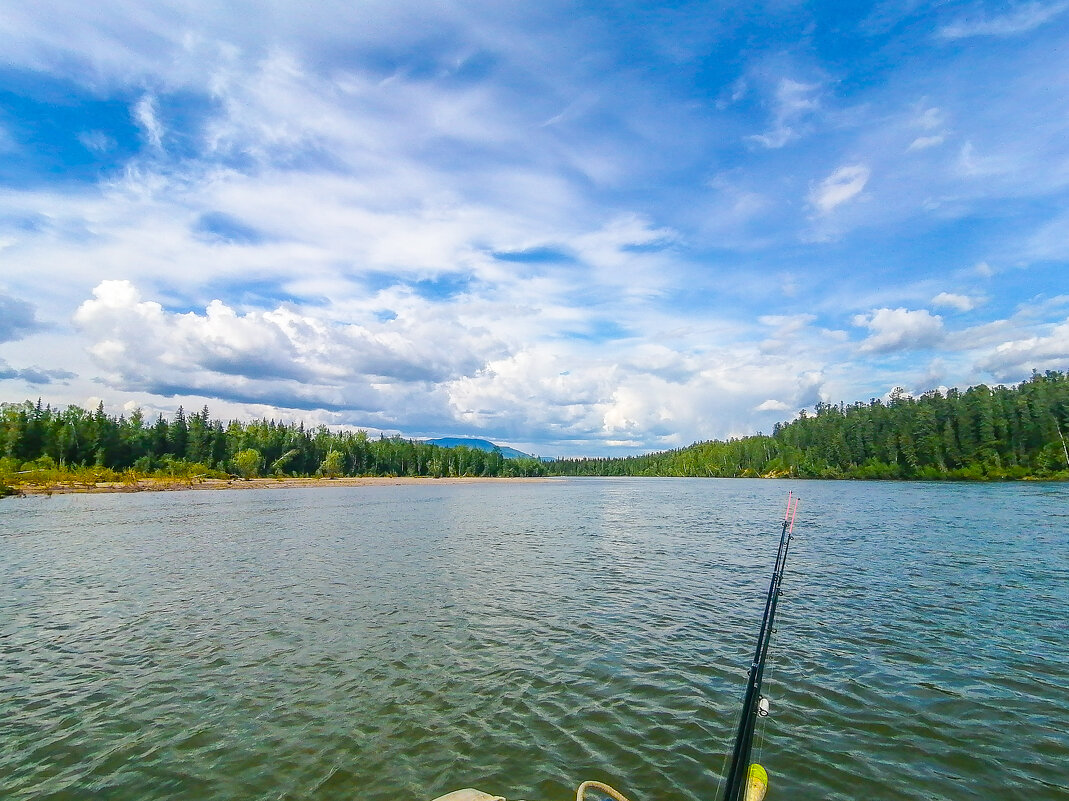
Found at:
[175, 485]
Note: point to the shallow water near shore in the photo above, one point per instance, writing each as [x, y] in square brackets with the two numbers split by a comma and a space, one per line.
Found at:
[398, 642]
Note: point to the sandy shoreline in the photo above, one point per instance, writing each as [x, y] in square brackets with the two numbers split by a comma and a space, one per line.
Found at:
[173, 485]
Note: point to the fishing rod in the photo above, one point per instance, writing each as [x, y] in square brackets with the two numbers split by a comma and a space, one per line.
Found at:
[746, 782]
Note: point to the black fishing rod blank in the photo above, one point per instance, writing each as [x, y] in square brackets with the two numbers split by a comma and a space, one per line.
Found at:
[741, 775]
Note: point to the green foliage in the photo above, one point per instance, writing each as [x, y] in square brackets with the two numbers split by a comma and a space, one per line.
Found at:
[9, 467]
[42, 445]
[247, 463]
[333, 465]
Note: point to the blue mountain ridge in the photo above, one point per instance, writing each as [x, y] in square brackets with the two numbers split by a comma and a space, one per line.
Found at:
[478, 444]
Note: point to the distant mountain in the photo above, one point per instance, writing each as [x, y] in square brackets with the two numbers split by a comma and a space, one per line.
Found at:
[478, 444]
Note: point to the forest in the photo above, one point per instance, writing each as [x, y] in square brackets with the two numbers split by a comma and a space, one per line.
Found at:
[39, 444]
[981, 433]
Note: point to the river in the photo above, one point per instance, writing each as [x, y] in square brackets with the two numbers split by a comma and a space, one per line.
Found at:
[396, 642]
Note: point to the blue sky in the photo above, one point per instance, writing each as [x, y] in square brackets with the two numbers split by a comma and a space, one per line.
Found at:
[576, 228]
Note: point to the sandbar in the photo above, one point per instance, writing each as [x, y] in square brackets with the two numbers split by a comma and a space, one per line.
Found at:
[173, 484]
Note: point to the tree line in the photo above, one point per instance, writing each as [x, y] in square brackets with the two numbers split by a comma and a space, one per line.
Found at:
[36, 439]
[981, 433]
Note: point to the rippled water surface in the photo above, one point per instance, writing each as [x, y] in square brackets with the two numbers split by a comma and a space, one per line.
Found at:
[397, 642]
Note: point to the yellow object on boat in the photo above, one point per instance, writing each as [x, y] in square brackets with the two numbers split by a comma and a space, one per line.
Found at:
[756, 783]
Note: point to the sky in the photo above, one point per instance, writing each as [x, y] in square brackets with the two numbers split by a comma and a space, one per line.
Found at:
[576, 228]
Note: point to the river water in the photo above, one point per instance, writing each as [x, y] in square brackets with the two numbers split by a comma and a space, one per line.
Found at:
[398, 642]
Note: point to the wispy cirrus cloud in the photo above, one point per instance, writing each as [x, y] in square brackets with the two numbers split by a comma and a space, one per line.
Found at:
[146, 115]
[844, 184]
[793, 103]
[925, 142]
[1018, 20]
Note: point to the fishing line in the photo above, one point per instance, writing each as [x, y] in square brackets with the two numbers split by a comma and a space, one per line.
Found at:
[721, 775]
[762, 723]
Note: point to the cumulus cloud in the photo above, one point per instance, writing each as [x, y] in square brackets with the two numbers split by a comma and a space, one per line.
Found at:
[1022, 19]
[282, 356]
[1016, 359]
[17, 319]
[661, 398]
[842, 185]
[949, 300]
[564, 396]
[899, 329]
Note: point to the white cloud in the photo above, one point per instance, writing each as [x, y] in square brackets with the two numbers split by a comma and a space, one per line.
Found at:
[1014, 360]
[145, 115]
[930, 118]
[775, 138]
[974, 164]
[736, 92]
[787, 331]
[470, 365]
[792, 102]
[1022, 19]
[96, 141]
[577, 395]
[949, 300]
[899, 329]
[842, 185]
[282, 357]
[925, 142]
[786, 324]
